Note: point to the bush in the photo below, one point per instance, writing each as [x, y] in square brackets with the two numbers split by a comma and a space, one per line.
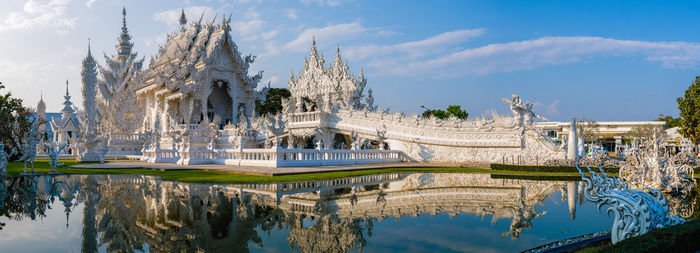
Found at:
[526, 168]
[678, 238]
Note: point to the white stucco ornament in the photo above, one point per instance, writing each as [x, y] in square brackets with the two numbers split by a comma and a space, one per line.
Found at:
[635, 212]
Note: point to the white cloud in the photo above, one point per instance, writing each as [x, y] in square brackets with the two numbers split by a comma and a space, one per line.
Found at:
[524, 55]
[251, 25]
[269, 35]
[388, 33]
[326, 35]
[332, 3]
[291, 13]
[413, 49]
[553, 108]
[193, 13]
[247, 27]
[34, 14]
[89, 3]
[274, 79]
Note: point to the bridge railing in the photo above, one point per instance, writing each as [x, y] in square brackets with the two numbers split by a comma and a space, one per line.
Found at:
[277, 157]
[304, 117]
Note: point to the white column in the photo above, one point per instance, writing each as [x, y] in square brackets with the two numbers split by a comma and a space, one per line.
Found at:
[572, 145]
[581, 148]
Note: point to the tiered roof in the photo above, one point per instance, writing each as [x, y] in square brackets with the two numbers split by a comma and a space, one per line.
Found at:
[180, 63]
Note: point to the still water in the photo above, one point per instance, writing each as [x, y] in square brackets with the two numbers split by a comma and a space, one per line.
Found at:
[400, 212]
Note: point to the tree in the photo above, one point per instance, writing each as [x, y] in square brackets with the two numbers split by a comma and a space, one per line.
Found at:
[456, 110]
[16, 121]
[671, 122]
[589, 128]
[645, 133]
[689, 105]
[452, 110]
[273, 101]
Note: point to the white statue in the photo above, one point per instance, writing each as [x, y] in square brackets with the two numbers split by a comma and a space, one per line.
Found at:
[4, 158]
[29, 150]
[53, 156]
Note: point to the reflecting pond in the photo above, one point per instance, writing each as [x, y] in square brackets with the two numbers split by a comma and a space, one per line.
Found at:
[397, 212]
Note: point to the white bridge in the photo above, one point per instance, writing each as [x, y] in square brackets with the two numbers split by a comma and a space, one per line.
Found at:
[351, 137]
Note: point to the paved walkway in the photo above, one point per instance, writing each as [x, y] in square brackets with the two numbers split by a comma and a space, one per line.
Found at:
[251, 170]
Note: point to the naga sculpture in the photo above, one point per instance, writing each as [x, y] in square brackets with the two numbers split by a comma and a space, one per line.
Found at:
[635, 212]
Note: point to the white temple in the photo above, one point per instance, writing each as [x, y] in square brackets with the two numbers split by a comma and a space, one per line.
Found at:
[195, 104]
[66, 130]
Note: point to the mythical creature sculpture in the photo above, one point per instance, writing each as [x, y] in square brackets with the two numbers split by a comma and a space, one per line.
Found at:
[29, 150]
[53, 156]
[523, 116]
[4, 158]
[635, 212]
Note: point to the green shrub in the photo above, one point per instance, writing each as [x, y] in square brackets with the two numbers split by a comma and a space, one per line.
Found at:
[679, 238]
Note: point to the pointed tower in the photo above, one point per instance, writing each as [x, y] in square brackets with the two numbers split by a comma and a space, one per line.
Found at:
[41, 114]
[89, 81]
[183, 20]
[67, 110]
[125, 44]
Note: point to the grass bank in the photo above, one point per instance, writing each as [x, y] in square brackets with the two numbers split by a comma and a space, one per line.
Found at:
[679, 238]
[205, 176]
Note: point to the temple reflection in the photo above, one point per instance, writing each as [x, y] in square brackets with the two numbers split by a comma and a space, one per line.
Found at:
[129, 212]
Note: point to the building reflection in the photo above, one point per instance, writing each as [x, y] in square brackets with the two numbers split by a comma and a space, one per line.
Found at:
[128, 212]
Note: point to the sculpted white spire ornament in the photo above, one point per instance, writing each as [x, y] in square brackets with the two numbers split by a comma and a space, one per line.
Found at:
[89, 81]
[120, 78]
[41, 120]
[182, 20]
[125, 44]
[90, 118]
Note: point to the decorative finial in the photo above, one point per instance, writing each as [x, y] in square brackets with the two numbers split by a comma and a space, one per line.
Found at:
[124, 11]
[313, 41]
[183, 18]
[66, 87]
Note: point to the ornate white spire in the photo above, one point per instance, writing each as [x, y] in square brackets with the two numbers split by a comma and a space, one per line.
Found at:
[89, 81]
[183, 18]
[41, 103]
[67, 105]
[125, 44]
[41, 111]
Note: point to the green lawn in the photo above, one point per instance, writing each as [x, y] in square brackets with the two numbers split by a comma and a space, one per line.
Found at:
[202, 176]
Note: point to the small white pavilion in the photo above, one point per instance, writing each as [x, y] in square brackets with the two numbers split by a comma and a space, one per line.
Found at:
[66, 129]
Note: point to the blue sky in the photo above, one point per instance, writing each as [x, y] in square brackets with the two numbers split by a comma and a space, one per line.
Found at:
[603, 60]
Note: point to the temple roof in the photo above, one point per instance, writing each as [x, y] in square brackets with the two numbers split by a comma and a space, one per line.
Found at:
[182, 59]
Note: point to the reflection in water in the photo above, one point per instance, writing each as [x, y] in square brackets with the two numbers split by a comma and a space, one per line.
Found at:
[128, 212]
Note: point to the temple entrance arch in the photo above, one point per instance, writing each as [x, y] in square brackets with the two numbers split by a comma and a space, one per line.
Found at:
[220, 103]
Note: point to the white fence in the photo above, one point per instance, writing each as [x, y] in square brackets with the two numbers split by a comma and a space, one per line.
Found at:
[275, 157]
